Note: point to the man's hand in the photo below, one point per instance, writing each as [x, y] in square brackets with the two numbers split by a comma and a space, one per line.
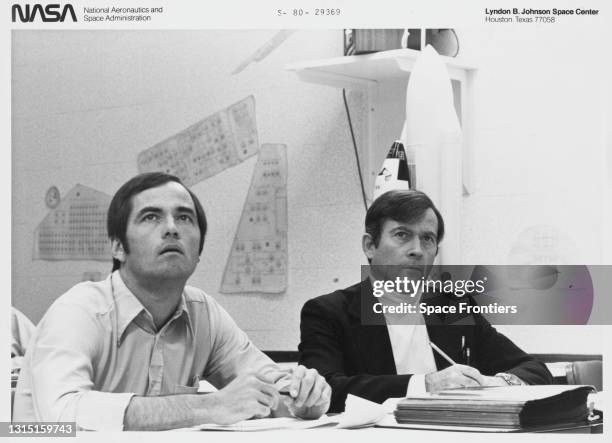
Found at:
[494, 381]
[309, 393]
[503, 379]
[456, 376]
[247, 396]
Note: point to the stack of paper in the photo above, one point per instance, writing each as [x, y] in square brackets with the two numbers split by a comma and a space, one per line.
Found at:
[505, 407]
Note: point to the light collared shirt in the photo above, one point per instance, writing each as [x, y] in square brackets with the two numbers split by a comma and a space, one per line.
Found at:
[97, 346]
[410, 343]
[22, 330]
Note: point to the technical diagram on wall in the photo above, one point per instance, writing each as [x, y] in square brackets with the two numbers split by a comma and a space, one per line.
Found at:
[258, 258]
[208, 147]
[76, 228]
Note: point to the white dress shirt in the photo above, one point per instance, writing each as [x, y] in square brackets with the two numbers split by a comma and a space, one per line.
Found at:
[409, 343]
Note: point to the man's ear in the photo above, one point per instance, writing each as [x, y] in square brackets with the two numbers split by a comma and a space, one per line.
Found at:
[117, 250]
[368, 245]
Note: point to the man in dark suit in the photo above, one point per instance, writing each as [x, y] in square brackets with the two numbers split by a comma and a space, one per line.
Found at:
[403, 231]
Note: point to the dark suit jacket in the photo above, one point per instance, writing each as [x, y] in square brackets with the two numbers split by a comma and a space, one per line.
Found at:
[358, 359]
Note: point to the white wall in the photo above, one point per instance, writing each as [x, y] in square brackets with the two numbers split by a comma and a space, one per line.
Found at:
[538, 139]
[85, 103]
[537, 162]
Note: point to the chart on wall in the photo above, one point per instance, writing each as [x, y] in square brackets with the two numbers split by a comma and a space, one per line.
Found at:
[76, 228]
[258, 259]
[204, 149]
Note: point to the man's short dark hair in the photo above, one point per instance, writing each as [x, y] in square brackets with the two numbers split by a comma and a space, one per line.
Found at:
[121, 207]
[407, 206]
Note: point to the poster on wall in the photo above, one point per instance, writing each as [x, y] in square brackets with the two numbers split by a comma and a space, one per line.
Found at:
[76, 228]
[204, 149]
[258, 258]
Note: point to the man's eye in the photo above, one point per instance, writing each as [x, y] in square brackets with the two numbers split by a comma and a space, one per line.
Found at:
[185, 218]
[150, 217]
[429, 240]
[401, 234]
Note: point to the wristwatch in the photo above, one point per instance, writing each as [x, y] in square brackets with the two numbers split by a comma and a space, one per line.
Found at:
[510, 379]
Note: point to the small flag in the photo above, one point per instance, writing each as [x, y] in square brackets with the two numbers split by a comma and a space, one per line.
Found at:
[395, 172]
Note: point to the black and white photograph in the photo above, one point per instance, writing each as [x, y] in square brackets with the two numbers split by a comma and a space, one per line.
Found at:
[210, 224]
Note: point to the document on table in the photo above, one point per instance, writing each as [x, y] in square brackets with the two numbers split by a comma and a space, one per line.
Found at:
[269, 424]
[359, 413]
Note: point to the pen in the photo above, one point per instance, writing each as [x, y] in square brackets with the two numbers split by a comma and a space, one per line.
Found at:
[465, 351]
[442, 353]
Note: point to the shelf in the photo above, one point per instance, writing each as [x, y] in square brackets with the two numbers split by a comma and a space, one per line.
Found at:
[368, 69]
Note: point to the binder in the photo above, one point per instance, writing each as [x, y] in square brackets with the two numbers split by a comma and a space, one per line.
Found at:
[511, 407]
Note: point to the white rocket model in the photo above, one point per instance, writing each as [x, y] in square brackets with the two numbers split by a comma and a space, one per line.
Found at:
[432, 136]
[395, 172]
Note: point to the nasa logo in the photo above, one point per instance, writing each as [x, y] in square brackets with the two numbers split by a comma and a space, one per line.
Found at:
[49, 13]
